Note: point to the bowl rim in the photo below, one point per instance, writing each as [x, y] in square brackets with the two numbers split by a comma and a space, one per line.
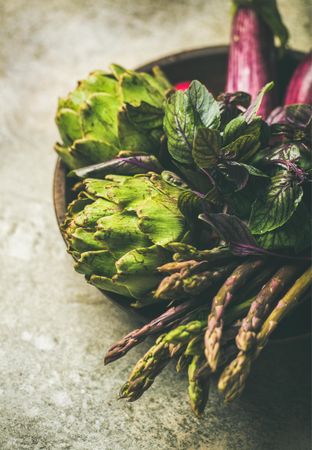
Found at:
[59, 175]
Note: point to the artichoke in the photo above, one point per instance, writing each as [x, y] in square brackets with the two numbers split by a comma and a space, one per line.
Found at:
[119, 228]
[111, 114]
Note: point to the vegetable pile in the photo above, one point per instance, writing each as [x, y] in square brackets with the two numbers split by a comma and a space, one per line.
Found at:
[198, 205]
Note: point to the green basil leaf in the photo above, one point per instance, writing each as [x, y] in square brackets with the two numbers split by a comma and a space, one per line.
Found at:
[242, 149]
[235, 173]
[205, 108]
[295, 234]
[240, 202]
[254, 171]
[190, 205]
[184, 112]
[179, 127]
[131, 165]
[206, 149]
[277, 205]
[252, 111]
[198, 180]
[239, 127]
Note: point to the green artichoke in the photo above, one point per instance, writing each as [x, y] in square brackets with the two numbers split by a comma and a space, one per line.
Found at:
[119, 228]
[111, 114]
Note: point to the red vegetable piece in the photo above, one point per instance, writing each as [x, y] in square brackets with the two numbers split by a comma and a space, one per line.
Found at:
[300, 86]
[182, 86]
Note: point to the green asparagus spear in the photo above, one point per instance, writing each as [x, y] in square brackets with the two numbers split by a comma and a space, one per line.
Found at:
[223, 297]
[186, 282]
[260, 308]
[198, 388]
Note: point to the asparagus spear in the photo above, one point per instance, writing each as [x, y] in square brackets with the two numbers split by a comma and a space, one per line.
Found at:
[233, 378]
[260, 308]
[146, 370]
[186, 282]
[289, 301]
[198, 388]
[199, 371]
[215, 255]
[183, 333]
[223, 297]
[157, 325]
[157, 357]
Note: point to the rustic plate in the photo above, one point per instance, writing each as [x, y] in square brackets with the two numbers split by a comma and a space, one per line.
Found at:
[207, 65]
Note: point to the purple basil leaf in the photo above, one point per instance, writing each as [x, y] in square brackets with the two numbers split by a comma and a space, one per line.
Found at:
[230, 228]
[121, 166]
[238, 98]
[299, 115]
[239, 238]
[278, 115]
[296, 115]
[248, 250]
[236, 173]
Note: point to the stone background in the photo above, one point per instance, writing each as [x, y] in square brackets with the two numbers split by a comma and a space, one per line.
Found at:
[54, 329]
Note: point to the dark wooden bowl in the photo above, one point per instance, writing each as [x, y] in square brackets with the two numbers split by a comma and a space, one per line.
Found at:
[207, 65]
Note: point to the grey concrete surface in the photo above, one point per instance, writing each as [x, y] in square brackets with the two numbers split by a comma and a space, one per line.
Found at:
[54, 329]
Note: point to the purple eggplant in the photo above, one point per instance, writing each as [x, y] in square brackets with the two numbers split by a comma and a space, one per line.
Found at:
[300, 86]
[252, 57]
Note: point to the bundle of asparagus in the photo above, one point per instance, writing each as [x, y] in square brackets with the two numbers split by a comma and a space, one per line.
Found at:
[208, 333]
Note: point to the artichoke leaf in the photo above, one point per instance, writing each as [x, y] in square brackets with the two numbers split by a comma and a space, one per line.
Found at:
[137, 87]
[130, 191]
[132, 138]
[99, 118]
[138, 285]
[161, 78]
[77, 205]
[142, 260]
[95, 211]
[97, 188]
[91, 151]
[97, 81]
[65, 155]
[69, 125]
[145, 116]
[161, 221]
[121, 233]
[82, 240]
[107, 284]
[98, 262]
